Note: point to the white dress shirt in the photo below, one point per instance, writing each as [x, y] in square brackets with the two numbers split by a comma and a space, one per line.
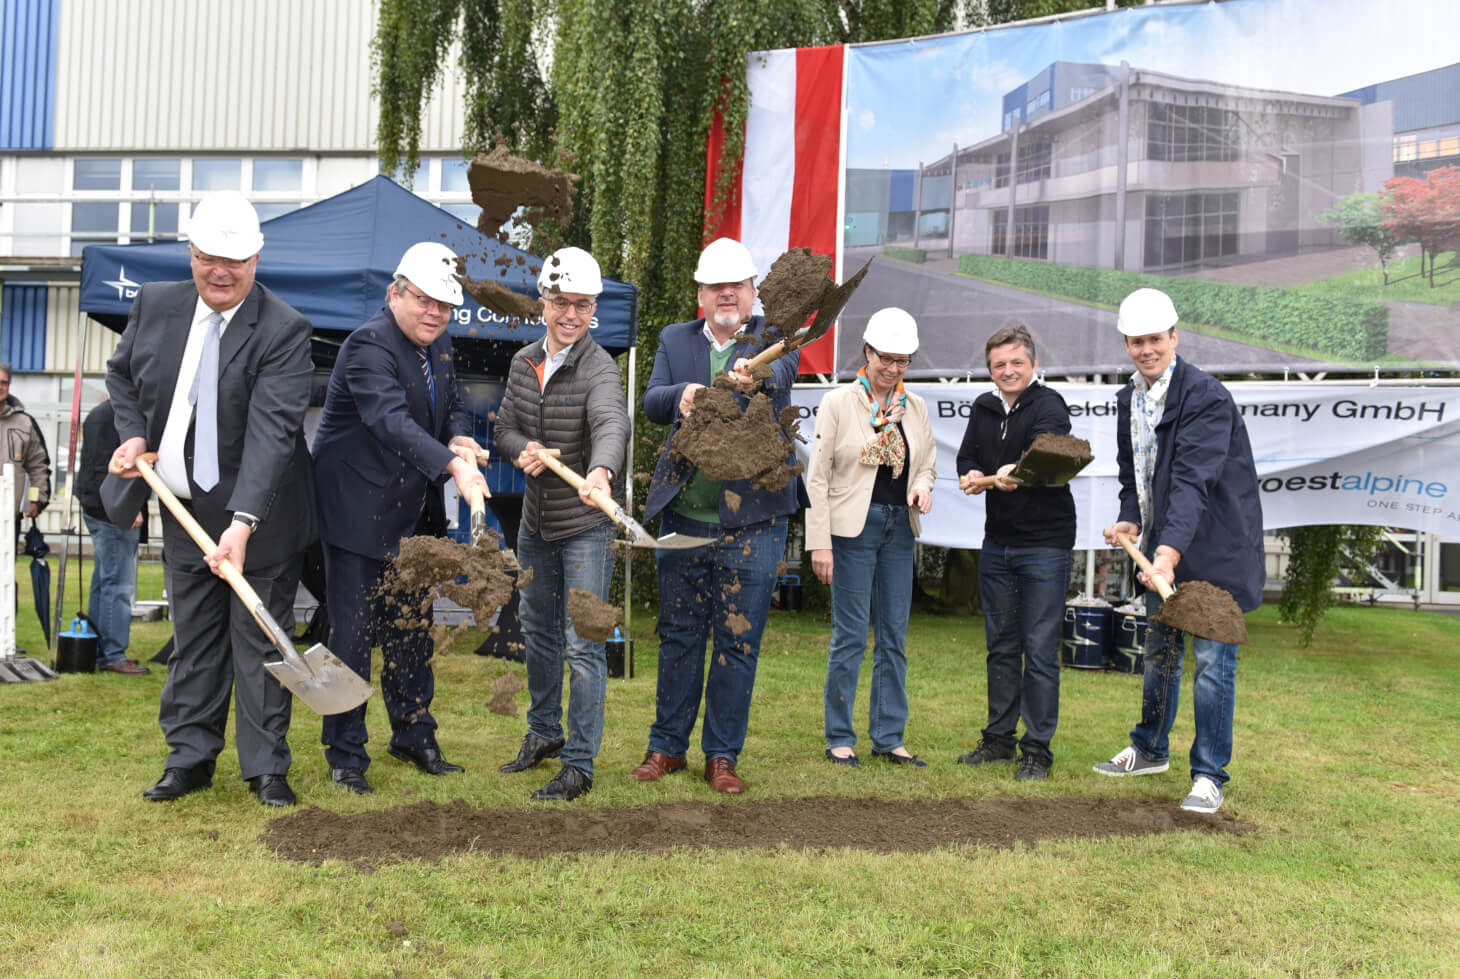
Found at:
[172, 464]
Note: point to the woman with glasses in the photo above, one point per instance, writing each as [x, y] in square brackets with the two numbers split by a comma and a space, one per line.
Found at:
[871, 478]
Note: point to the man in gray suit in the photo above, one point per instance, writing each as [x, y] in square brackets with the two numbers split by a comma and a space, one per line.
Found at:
[214, 376]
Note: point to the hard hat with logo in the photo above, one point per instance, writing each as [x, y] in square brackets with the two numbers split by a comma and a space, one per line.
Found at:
[225, 225]
[724, 260]
[570, 270]
[431, 267]
[1144, 312]
[892, 331]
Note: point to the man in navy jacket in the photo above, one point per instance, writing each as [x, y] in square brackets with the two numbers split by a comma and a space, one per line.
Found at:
[1188, 480]
[699, 589]
[390, 412]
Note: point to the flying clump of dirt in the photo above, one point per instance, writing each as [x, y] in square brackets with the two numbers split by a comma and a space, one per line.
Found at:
[726, 444]
[498, 298]
[432, 566]
[504, 689]
[593, 618]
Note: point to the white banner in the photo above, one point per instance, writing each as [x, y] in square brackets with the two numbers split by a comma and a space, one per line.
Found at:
[1326, 454]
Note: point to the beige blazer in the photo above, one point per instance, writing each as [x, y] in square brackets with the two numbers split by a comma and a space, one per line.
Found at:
[840, 487]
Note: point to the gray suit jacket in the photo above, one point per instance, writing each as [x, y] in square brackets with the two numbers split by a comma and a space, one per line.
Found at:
[264, 372]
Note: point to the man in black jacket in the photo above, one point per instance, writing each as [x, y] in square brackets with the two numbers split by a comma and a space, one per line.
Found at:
[114, 549]
[1024, 568]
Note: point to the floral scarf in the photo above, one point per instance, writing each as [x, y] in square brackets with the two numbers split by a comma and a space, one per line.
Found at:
[1147, 404]
[886, 446]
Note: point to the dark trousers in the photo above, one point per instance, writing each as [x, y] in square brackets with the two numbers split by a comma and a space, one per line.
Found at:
[360, 619]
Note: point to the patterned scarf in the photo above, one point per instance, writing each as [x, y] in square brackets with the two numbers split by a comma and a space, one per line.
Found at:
[885, 447]
[1146, 407]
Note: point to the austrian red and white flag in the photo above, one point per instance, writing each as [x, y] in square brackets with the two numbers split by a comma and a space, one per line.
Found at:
[793, 128]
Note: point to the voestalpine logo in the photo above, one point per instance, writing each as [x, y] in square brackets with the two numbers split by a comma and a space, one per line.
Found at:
[125, 287]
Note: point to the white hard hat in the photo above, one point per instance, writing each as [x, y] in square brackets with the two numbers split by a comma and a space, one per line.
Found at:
[225, 225]
[570, 270]
[431, 268]
[724, 260]
[892, 331]
[1144, 312]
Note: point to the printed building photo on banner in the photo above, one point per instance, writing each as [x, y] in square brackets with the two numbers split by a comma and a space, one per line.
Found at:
[1287, 170]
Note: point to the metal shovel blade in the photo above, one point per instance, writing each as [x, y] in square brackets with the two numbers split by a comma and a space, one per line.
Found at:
[639, 537]
[322, 680]
[680, 542]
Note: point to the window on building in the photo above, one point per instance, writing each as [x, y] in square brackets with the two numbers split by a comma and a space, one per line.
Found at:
[1179, 133]
[1037, 106]
[1034, 162]
[1428, 144]
[157, 174]
[1186, 230]
[1082, 91]
[278, 176]
[217, 175]
[1031, 232]
[97, 175]
[453, 177]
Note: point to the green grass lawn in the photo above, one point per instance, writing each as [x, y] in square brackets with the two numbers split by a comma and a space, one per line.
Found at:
[1405, 283]
[1347, 762]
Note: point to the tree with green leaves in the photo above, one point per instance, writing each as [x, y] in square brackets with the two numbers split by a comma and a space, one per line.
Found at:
[1316, 556]
[1359, 219]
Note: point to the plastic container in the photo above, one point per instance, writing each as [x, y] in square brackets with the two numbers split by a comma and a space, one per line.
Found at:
[1087, 636]
[76, 648]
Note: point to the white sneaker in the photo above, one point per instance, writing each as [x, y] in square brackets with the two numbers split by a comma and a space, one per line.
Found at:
[1205, 797]
[1131, 762]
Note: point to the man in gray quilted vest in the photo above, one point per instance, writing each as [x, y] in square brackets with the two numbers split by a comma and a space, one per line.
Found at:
[564, 393]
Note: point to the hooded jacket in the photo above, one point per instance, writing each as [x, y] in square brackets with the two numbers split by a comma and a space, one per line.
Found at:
[1034, 516]
[25, 446]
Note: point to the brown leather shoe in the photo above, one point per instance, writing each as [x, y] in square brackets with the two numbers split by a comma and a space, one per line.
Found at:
[128, 666]
[720, 773]
[655, 766]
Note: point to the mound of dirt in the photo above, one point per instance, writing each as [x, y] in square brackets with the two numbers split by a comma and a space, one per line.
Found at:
[430, 830]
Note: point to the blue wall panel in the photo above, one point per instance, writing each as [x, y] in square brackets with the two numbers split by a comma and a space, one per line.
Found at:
[901, 193]
[28, 44]
[23, 327]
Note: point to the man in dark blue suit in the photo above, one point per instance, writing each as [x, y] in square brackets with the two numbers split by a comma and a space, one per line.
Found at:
[700, 588]
[390, 413]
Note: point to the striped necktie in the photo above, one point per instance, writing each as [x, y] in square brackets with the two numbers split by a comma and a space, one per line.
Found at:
[426, 372]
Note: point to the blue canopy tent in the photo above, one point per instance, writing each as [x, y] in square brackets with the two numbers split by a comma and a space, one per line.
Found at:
[333, 260]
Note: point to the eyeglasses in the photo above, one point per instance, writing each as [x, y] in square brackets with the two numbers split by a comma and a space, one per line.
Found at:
[900, 363]
[426, 303]
[580, 306]
[213, 261]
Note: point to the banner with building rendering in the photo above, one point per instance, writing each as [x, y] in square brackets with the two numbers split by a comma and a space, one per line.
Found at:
[1380, 455]
[1252, 157]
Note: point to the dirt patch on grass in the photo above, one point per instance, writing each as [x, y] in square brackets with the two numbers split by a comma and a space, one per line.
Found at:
[430, 830]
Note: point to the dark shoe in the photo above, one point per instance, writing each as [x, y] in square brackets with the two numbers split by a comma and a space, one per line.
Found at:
[987, 753]
[127, 667]
[567, 785]
[428, 760]
[720, 773]
[534, 750]
[1032, 769]
[912, 760]
[178, 782]
[656, 765]
[272, 790]
[352, 779]
[851, 761]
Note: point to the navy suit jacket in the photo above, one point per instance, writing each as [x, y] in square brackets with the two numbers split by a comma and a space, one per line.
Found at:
[380, 446]
[684, 358]
[1205, 500]
[264, 378]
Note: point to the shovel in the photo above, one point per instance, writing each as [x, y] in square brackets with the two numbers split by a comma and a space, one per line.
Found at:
[319, 677]
[832, 303]
[1202, 609]
[477, 499]
[1050, 460]
[638, 536]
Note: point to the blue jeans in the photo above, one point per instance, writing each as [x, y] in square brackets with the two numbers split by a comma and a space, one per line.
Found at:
[1023, 593]
[699, 589]
[113, 586]
[1213, 694]
[871, 582]
[584, 561]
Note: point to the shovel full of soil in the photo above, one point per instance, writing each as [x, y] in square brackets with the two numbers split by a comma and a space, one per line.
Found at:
[1197, 607]
[638, 536]
[1050, 460]
[798, 285]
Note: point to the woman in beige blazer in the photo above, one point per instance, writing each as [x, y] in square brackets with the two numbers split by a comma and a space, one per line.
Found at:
[871, 478]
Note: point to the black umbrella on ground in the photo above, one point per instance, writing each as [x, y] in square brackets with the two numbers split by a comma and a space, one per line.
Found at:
[40, 576]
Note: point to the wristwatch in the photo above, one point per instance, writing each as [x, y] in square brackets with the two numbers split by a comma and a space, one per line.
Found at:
[249, 521]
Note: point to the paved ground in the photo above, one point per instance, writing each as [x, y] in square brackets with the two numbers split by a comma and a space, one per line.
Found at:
[956, 315]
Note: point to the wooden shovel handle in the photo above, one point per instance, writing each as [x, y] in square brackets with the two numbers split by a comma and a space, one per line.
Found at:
[195, 530]
[775, 351]
[600, 499]
[1163, 589]
[476, 499]
[985, 481]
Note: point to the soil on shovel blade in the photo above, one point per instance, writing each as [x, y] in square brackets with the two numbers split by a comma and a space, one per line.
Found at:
[1202, 609]
[431, 830]
[431, 566]
[792, 290]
